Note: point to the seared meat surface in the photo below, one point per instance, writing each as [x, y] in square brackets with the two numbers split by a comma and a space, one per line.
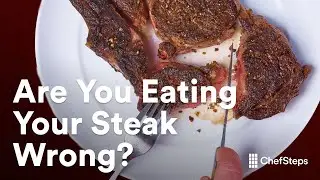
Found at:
[112, 38]
[268, 73]
[134, 10]
[193, 24]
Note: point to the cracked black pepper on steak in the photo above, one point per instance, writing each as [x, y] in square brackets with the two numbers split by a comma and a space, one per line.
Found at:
[268, 73]
[193, 24]
[112, 38]
[135, 11]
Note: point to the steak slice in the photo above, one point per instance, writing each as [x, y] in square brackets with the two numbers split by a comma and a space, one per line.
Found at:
[191, 24]
[112, 38]
[267, 73]
[135, 11]
[172, 74]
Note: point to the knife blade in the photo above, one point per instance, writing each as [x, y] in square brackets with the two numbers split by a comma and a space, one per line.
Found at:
[225, 122]
[223, 139]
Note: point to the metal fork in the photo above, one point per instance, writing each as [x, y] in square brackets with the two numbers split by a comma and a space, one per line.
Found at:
[143, 143]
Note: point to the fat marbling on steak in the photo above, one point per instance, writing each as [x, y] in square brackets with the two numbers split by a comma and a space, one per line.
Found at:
[191, 24]
[268, 73]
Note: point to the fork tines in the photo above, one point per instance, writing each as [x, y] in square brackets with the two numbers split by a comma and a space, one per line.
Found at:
[153, 110]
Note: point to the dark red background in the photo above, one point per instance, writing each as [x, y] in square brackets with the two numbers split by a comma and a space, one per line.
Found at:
[18, 21]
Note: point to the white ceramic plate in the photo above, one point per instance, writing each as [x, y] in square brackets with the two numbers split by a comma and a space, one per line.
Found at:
[62, 58]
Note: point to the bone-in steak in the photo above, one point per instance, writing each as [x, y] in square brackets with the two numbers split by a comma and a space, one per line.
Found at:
[193, 24]
[113, 39]
[267, 72]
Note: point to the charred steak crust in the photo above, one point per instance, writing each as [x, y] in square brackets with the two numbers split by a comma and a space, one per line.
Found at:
[193, 24]
[270, 75]
[135, 11]
[111, 38]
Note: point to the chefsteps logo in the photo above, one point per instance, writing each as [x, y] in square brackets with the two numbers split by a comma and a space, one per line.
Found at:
[255, 160]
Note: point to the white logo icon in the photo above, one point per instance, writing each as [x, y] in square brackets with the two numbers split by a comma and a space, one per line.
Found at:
[253, 161]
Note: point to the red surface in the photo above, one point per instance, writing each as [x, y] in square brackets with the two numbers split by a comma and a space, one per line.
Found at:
[18, 62]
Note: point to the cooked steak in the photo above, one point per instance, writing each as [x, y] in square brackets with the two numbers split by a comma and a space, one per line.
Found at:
[216, 73]
[172, 74]
[113, 39]
[166, 51]
[267, 72]
[193, 24]
[133, 10]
